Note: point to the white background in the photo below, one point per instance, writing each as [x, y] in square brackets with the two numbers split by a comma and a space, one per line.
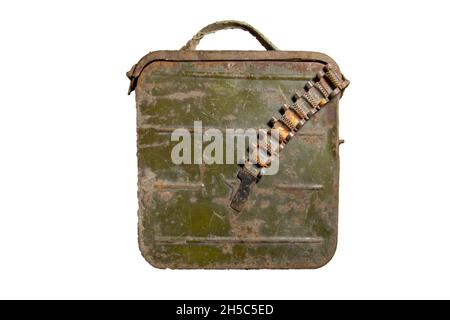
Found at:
[68, 157]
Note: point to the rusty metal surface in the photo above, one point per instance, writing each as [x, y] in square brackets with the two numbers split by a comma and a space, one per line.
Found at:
[185, 221]
[228, 24]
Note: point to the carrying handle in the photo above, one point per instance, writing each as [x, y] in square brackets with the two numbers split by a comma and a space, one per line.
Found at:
[228, 24]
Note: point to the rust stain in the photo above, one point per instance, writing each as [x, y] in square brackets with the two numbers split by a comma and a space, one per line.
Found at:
[159, 184]
[245, 229]
[166, 195]
[264, 204]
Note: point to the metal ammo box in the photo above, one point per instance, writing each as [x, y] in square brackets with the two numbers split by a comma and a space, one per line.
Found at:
[230, 215]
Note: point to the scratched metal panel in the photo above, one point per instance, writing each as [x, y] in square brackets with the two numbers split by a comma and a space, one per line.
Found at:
[290, 219]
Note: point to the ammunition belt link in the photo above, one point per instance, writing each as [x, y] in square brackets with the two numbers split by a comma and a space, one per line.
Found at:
[326, 85]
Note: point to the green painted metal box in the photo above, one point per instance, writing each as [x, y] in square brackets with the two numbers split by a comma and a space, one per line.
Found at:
[185, 220]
